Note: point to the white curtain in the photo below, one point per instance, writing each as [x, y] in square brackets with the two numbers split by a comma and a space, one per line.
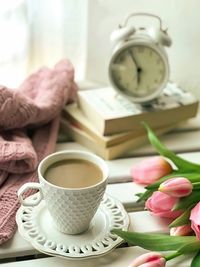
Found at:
[14, 44]
[35, 33]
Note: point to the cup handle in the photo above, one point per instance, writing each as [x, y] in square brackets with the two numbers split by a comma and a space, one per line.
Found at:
[35, 200]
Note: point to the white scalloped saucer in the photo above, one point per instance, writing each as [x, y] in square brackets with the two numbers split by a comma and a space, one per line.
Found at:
[35, 225]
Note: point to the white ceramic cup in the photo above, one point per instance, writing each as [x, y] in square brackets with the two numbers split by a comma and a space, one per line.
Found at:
[71, 209]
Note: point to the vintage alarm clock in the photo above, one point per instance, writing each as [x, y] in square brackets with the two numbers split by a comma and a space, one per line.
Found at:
[139, 67]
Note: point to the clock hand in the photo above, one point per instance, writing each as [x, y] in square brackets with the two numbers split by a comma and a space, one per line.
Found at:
[131, 56]
[139, 70]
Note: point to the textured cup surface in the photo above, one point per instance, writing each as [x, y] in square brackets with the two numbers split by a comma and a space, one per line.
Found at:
[72, 209]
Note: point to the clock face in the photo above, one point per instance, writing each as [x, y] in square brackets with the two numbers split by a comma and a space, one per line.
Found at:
[138, 71]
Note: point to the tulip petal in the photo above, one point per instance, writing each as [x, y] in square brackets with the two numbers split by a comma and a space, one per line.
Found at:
[176, 187]
[195, 220]
[160, 204]
[192, 176]
[150, 170]
[195, 214]
[157, 263]
[144, 258]
[181, 230]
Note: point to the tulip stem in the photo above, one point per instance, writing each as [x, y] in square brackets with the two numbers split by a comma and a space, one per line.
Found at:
[172, 256]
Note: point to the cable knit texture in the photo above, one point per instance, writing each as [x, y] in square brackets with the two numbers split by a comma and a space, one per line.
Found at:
[29, 122]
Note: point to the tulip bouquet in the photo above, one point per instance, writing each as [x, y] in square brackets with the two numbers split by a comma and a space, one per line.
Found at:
[172, 191]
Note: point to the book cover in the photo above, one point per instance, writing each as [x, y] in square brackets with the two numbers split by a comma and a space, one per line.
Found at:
[112, 113]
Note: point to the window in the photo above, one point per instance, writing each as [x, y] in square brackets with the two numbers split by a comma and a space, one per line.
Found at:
[35, 33]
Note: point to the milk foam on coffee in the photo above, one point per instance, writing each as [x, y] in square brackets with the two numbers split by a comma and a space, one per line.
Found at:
[73, 173]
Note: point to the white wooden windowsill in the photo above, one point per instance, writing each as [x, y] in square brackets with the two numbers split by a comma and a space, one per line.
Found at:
[121, 187]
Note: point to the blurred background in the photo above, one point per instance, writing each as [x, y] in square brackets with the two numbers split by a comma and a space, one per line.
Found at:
[35, 33]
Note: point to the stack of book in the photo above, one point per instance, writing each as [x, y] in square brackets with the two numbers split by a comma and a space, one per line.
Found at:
[110, 125]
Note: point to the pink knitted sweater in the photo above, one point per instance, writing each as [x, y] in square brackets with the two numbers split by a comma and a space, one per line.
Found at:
[29, 122]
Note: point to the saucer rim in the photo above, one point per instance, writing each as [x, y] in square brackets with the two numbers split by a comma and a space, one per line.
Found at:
[50, 252]
[78, 258]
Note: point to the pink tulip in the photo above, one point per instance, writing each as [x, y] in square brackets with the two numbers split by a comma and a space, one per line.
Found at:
[150, 170]
[195, 220]
[151, 259]
[181, 230]
[176, 187]
[161, 205]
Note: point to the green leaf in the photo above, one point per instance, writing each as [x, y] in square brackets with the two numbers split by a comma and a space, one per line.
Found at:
[180, 163]
[193, 177]
[196, 260]
[138, 194]
[183, 219]
[196, 186]
[189, 247]
[156, 242]
[144, 196]
[186, 202]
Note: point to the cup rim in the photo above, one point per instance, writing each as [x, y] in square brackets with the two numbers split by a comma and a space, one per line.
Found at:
[77, 152]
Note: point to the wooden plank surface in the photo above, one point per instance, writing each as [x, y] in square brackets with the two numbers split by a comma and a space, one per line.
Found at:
[120, 189]
[120, 168]
[174, 141]
[125, 192]
[140, 221]
[121, 257]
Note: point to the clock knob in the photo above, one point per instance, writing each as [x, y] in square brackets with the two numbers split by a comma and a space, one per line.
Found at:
[160, 36]
[122, 33]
